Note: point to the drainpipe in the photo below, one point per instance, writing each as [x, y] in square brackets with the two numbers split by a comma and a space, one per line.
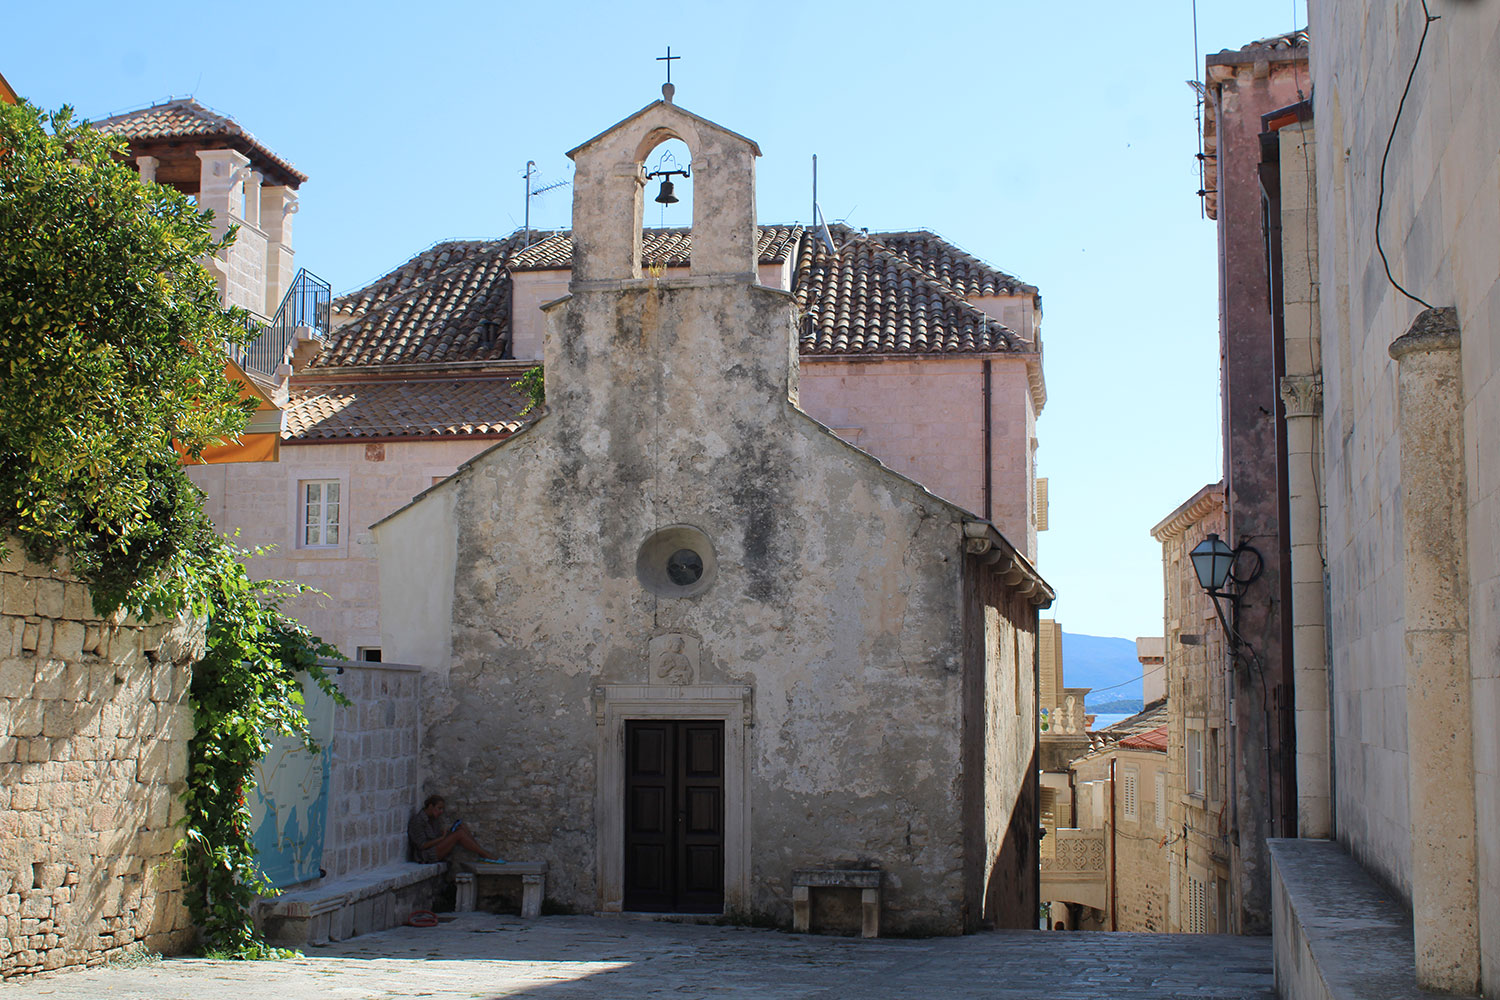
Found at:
[1112, 921]
[989, 513]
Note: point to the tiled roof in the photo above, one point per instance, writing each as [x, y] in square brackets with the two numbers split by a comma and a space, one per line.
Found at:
[419, 269]
[430, 314]
[659, 248]
[1289, 40]
[1151, 739]
[185, 118]
[870, 299]
[938, 259]
[405, 408]
[1149, 718]
[897, 293]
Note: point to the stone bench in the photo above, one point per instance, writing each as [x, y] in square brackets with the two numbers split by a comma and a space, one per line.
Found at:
[336, 909]
[533, 876]
[867, 881]
[1336, 933]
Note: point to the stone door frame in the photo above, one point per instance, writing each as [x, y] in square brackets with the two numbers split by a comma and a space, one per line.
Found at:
[727, 703]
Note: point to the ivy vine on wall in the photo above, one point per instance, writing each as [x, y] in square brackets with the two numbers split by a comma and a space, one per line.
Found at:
[111, 364]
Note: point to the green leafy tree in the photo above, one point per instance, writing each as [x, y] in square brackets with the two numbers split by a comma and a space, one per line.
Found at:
[112, 342]
[112, 345]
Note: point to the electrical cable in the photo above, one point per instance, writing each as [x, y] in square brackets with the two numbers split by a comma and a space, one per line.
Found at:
[1380, 202]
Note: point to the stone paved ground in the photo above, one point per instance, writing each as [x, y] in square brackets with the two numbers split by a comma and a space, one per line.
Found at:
[482, 956]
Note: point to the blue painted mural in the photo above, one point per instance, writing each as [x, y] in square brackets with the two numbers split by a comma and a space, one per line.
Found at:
[289, 808]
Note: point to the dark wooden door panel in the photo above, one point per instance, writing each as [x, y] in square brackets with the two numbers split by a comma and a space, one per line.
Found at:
[674, 831]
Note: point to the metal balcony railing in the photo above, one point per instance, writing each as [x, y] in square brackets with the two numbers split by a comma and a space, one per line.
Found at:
[306, 303]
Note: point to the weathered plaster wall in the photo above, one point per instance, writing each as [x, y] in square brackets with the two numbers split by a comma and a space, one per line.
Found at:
[376, 770]
[94, 725]
[1440, 226]
[260, 499]
[838, 599]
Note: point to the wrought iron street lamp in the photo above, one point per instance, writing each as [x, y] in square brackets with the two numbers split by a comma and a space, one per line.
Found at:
[1226, 573]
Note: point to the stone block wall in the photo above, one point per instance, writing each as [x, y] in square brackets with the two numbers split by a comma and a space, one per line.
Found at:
[1440, 228]
[377, 780]
[94, 726]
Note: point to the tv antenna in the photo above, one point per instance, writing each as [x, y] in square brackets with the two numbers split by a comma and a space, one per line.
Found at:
[532, 193]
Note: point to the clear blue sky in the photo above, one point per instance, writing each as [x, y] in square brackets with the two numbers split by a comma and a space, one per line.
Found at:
[1055, 141]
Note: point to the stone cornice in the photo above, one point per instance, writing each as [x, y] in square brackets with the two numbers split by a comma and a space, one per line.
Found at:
[1200, 505]
[982, 540]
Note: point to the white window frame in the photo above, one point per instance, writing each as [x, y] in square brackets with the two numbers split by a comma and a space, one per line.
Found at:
[1161, 799]
[323, 525]
[1194, 761]
[297, 512]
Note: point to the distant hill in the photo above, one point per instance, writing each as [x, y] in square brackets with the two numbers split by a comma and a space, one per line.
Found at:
[1119, 706]
[1100, 662]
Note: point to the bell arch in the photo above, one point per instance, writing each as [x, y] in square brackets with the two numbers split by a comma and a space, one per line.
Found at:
[609, 187]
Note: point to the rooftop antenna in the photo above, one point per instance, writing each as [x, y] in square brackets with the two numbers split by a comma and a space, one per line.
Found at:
[819, 224]
[531, 172]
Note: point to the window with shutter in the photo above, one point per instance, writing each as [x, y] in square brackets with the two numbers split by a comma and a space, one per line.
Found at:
[1196, 915]
[1128, 798]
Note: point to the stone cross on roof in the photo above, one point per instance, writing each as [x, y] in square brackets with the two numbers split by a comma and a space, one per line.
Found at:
[667, 90]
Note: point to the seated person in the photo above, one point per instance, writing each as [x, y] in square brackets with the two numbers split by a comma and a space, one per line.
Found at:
[433, 838]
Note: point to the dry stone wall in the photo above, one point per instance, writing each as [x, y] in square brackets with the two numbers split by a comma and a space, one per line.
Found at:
[94, 726]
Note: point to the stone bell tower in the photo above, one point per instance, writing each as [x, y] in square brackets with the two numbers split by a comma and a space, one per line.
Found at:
[629, 346]
[608, 188]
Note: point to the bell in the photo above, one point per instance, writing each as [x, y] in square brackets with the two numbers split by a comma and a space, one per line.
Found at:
[665, 196]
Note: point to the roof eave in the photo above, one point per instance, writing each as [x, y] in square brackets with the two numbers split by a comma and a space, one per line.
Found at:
[984, 541]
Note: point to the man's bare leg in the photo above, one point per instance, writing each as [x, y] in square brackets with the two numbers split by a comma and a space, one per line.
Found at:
[458, 838]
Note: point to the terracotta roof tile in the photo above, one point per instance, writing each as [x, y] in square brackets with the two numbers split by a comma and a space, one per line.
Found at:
[1151, 739]
[1147, 719]
[1289, 40]
[421, 268]
[869, 299]
[405, 408]
[460, 312]
[962, 272]
[659, 248]
[185, 118]
[896, 293]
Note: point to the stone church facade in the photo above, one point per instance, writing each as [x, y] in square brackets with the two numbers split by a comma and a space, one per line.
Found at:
[682, 640]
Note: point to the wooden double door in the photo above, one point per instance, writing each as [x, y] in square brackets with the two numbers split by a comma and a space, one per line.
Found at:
[674, 816]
